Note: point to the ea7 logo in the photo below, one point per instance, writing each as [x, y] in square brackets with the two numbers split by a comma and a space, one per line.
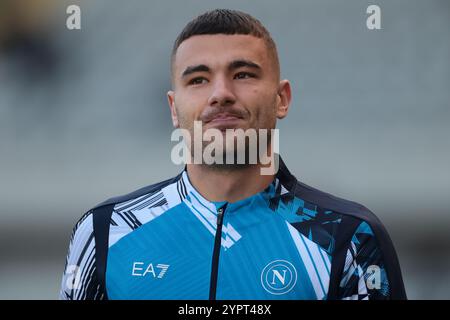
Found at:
[141, 269]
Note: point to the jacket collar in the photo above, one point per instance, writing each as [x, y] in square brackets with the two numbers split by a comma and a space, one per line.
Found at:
[282, 183]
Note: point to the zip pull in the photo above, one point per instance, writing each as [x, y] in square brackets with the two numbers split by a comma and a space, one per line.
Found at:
[220, 215]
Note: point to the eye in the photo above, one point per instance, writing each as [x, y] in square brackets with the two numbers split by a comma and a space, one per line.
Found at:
[197, 80]
[244, 75]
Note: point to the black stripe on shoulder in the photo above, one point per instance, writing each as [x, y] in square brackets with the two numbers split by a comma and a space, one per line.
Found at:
[354, 210]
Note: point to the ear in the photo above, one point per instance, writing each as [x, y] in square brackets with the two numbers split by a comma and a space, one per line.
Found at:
[284, 98]
[173, 110]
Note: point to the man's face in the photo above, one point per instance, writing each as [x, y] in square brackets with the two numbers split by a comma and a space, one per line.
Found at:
[227, 82]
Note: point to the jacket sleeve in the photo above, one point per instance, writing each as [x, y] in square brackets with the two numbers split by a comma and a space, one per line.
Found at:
[79, 280]
[371, 270]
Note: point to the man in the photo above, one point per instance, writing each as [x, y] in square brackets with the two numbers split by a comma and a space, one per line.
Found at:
[225, 230]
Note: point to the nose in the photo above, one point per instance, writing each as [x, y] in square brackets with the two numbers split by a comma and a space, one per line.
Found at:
[222, 94]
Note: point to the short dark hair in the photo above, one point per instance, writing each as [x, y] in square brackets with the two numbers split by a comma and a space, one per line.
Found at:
[226, 21]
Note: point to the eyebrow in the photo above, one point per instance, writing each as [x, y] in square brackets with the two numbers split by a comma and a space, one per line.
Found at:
[191, 69]
[236, 64]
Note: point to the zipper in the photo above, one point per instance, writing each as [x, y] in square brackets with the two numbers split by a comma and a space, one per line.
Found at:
[216, 253]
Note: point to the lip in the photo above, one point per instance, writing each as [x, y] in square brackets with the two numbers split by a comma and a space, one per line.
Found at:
[224, 117]
[224, 121]
[221, 119]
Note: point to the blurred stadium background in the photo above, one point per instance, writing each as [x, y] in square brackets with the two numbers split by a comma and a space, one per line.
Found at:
[83, 117]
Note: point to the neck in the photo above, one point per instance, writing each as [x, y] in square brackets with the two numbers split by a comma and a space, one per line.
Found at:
[229, 185]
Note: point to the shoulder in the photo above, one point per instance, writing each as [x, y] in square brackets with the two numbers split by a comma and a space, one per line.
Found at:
[137, 193]
[356, 227]
[350, 210]
[355, 218]
[87, 219]
[352, 213]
